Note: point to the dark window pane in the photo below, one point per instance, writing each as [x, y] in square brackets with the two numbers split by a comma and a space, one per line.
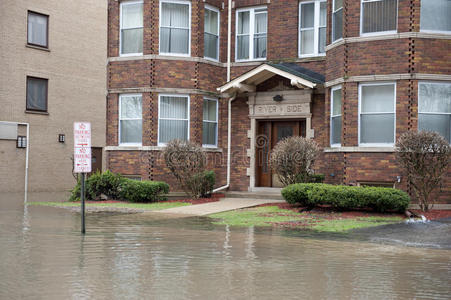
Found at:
[436, 122]
[36, 94]
[209, 133]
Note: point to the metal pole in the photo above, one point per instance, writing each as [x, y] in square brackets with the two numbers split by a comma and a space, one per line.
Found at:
[83, 228]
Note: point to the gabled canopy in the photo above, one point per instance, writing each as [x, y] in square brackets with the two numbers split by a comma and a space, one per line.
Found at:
[299, 76]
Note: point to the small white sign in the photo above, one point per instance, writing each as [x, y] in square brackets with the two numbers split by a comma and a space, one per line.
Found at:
[82, 147]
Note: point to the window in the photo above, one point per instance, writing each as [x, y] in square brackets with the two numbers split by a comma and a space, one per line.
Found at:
[130, 119]
[37, 94]
[337, 20]
[210, 123]
[379, 16]
[38, 29]
[211, 34]
[173, 118]
[377, 114]
[335, 117]
[175, 27]
[251, 33]
[312, 28]
[131, 28]
[434, 108]
[435, 15]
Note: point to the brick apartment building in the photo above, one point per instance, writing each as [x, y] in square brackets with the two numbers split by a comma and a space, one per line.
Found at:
[52, 73]
[238, 76]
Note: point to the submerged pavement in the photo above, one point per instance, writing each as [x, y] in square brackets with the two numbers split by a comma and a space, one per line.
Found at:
[226, 204]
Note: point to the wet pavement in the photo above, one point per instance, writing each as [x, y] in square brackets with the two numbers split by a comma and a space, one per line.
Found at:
[136, 256]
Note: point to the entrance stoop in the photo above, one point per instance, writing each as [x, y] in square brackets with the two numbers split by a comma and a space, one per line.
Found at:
[257, 193]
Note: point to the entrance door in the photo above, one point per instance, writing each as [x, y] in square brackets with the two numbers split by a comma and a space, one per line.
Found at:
[269, 133]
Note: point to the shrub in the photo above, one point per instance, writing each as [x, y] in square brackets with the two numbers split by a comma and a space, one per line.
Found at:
[346, 197]
[424, 156]
[143, 191]
[187, 161]
[292, 159]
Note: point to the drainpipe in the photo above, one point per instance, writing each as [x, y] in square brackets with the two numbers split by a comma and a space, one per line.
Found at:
[229, 145]
[26, 161]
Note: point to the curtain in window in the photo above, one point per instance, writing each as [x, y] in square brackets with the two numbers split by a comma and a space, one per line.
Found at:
[336, 117]
[337, 20]
[435, 15]
[173, 118]
[37, 29]
[210, 123]
[132, 28]
[307, 28]
[434, 108]
[243, 34]
[174, 30]
[211, 35]
[260, 29]
[377, 119]
[37, 94]
[130, 119]
[379, 15]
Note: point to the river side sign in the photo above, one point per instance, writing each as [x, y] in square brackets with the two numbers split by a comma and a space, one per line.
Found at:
[82, 147]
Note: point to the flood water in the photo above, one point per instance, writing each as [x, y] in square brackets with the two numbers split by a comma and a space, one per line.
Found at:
[133, 256]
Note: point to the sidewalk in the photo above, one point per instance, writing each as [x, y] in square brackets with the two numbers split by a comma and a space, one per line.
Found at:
[226, 204]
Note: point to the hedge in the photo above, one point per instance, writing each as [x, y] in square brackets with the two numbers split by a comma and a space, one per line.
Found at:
[116, 187]
[346, 197]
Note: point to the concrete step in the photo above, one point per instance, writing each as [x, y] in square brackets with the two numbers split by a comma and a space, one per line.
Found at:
[273, 195]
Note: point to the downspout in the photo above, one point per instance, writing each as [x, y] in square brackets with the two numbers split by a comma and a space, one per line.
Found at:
[26, 162]
[229, 125]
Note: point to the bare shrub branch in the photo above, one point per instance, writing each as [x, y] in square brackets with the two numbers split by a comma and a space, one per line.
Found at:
[292, 159]
[424, 156]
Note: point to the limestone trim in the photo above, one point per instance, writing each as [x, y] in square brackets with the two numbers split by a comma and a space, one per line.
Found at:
[165, 90]
[389, 77]
[151, 148]
[359, 149]
[402, 35]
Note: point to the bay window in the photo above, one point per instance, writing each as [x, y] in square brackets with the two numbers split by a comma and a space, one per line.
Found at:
[378, 16]
[337, 20]
[210, 123]
[251, 33]
[130, 119]
[335, 117]
[131, 31]
[175, 27]
[211, 33]
[435, 15]
[312, 28]
[173, 118]
[434, 108]
[377, 117]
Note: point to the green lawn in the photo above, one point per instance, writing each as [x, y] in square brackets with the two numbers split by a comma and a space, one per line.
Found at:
[274, 216]
[143, 206]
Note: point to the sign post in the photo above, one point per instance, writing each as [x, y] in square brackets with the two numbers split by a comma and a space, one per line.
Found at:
[82, 160]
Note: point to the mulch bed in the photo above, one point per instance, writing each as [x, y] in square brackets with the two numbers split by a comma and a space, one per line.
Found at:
[330, 213]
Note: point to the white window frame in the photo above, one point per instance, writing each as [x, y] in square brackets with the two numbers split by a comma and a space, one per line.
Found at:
[126, 119]
[159, 118]
[428, 30]
[338, 87]
[333, 18]
[217, 123]
[315, 29]
[430, 113]
[120, 27]
[212, 8]
[360, 114]
[251, 33]
[189, 28]
[379, 32]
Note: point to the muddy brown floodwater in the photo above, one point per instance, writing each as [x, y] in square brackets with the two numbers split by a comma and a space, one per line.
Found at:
[132, 256]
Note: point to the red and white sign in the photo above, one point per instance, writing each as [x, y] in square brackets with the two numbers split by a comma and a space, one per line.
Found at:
[82, 147]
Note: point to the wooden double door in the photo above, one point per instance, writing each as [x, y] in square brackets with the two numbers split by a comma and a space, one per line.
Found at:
[269, 133]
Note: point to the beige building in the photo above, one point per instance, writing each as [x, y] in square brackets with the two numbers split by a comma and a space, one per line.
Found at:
[52, 73]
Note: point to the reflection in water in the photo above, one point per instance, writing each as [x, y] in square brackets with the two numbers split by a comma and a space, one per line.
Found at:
[43, 255]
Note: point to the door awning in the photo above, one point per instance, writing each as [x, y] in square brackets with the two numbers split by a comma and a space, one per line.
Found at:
[299, 77]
